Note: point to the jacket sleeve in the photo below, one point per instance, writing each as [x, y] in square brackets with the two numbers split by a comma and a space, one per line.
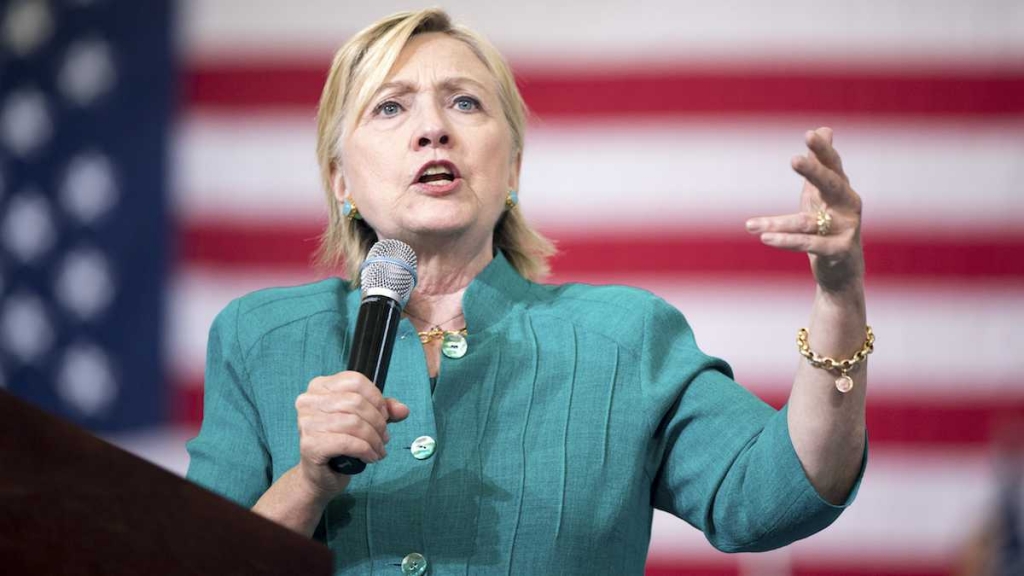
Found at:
[724, 461]
[229, 456]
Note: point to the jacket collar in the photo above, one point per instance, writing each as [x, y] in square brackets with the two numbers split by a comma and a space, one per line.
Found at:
[495, 291]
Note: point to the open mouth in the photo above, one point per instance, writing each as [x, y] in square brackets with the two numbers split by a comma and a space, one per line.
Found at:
[438, 173]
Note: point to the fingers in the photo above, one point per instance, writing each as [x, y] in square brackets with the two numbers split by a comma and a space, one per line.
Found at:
[334, 430]
[831, 246]
[350, 403]
[795, 242]
[820, 143]
[799, 232]
[319, 449]
[350, 382]
[831, 186]
[396, 410]
[800, 223]
[345, 415]
[818, 245]
[823, 168]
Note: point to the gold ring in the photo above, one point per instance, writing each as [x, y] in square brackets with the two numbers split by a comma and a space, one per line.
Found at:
[824, 220]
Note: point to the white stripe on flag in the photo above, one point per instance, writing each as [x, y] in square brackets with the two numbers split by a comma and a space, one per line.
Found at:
[578, 31]
[912, 176]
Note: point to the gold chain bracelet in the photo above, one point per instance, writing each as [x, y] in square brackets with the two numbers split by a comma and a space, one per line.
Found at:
[844, 383]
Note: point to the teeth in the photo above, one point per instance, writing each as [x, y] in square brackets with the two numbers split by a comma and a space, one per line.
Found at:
[436, 170]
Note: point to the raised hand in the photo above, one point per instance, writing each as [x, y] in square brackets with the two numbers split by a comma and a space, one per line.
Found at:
[827, 227]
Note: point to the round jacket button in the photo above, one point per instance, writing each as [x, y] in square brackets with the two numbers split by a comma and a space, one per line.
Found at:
[423, 447]
[414, 565]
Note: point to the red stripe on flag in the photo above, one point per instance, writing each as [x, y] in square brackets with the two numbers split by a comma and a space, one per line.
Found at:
[873, 568]
[689, 567]
[946, 420]
[661, 565]
[905, 421]
[225, 244]
[726, 90]
[716, 253]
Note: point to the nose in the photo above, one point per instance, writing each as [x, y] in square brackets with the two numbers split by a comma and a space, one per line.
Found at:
[433, 131]
[433, 138]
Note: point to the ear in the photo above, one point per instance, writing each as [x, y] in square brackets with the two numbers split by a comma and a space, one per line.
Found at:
[513, 175]
[338, 182]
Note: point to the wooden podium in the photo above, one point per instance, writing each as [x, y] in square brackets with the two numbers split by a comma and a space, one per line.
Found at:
[72, 504]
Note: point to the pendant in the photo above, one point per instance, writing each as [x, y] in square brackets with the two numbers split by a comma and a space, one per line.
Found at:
[453, 345]
[844, 383]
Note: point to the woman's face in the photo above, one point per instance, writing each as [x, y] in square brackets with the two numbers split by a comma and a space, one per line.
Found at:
[432, 154]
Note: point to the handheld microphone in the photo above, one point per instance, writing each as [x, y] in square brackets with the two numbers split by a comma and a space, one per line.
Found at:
[386, 280]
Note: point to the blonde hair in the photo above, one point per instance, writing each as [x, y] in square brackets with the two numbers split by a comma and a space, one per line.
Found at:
[359, 68]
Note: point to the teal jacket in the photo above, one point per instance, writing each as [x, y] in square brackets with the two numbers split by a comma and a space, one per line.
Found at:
[576, 410]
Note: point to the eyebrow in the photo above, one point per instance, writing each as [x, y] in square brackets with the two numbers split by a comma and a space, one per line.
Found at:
[458, 81]
[402, 87]
[398, 87]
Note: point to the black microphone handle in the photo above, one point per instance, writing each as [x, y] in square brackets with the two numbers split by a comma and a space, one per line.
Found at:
[372, 344]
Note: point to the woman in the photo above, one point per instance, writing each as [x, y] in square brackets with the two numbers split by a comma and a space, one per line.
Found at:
[541, 446]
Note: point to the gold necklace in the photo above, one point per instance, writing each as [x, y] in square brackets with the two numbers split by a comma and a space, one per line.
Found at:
[436, 332]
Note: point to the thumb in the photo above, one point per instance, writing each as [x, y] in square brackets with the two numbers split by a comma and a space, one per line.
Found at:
[396, 410]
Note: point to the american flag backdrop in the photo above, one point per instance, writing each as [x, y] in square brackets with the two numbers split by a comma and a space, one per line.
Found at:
[658, 128]
[86, 93]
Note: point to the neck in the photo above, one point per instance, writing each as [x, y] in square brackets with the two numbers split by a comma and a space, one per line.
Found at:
[444, 273]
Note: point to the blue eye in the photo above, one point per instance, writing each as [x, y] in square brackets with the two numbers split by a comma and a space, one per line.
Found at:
[466, 103]
[389, 108]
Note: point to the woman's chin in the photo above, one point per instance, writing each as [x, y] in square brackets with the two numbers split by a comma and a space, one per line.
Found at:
[440, 230]
[442, 221]
[424, 227]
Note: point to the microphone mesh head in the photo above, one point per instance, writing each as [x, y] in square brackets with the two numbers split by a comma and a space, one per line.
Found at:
[391, 265]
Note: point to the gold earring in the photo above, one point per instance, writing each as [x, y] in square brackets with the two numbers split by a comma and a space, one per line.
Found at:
[512, 199]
